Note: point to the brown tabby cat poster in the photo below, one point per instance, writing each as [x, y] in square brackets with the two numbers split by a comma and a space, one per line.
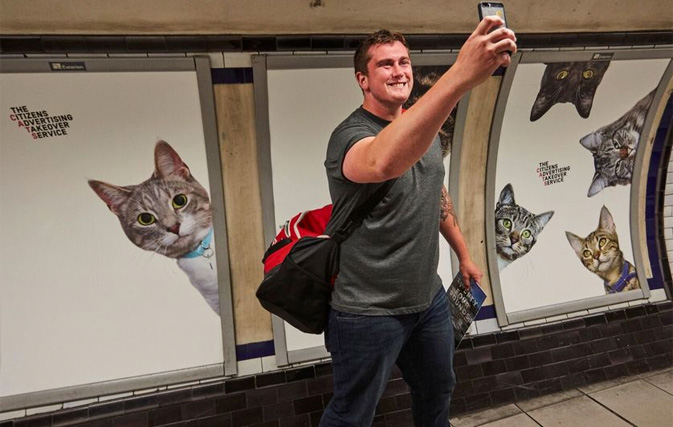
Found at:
[599, 252]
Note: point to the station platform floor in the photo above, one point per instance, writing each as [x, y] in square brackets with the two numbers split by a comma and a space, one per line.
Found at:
[644, 400]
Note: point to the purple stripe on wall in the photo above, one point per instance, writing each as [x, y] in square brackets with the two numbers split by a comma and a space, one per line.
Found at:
[231, 75]
[255, 350]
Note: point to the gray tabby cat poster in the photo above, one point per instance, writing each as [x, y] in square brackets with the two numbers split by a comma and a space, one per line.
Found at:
[614, 147]
[516, 228]
[79, 300]
[170, 214]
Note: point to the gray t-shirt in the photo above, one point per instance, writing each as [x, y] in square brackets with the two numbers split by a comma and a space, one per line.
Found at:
[388, 266]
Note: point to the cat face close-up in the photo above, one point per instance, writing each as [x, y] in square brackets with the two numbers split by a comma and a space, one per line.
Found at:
[599, 251]
[516, 228]
[614, 148]
[573, 82]
[169, 213]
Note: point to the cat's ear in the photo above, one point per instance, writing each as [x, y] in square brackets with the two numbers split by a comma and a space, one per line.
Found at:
[591, 142]
[543, 101]
[605, 221]
[592, 74]
[168, 162]
[544, 218]
[576, 242]
[113, 196]
[506, 196]
[597, 184]
[541, 105]
[583, 106]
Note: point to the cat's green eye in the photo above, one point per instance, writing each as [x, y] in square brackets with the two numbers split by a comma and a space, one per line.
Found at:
[146, 218]
[588, 74]
[562, 75]
[602, 242]
[179, 201]
[507, 223]
[587, 254]
[525, 234]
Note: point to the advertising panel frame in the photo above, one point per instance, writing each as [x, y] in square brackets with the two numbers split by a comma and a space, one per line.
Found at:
[200, 66]
[262, 64]
[636, 216]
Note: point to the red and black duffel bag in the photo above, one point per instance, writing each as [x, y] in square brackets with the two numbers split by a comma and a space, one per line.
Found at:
[302, 262]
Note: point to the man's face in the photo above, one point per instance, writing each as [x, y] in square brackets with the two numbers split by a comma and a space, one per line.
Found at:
[389, 79]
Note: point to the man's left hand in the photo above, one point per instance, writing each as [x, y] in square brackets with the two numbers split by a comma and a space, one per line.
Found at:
[469, 270]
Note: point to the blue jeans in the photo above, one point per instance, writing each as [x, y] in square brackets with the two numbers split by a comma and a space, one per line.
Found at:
[364, 350]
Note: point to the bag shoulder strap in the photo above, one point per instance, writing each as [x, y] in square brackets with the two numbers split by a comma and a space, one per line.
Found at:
[361, 211]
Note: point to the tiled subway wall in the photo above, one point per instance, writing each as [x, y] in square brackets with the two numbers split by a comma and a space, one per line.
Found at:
[491, 369]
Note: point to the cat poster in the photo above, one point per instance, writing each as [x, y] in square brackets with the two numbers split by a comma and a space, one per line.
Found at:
[169, 214]
[600, 253]
[299, 136]
[425, 76]
[569, 82]
[565, 161]
[84, 300]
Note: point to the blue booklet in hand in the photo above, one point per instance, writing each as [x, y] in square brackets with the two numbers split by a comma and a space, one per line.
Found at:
[465, 304]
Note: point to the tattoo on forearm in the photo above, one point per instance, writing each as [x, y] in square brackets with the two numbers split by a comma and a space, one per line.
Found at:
[446, 208]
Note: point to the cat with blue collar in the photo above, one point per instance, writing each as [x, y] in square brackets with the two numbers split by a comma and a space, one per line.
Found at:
[169, 214]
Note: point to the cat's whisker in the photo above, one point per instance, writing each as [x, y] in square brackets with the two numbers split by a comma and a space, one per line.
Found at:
[147, 258]
[160, 249]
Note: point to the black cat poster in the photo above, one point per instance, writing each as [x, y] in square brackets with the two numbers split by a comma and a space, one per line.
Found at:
[91, 162]
[565, 162]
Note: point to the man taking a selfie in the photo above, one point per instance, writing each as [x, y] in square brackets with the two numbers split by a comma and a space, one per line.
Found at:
[389, 306]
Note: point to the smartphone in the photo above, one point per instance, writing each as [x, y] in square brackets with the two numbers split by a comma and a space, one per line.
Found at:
[487, 8]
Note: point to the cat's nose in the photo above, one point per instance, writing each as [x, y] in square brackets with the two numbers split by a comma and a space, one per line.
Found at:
[175, 229]
[514, 237]
[624, 152]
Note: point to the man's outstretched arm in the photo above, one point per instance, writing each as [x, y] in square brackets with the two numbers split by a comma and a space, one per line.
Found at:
[407, 138]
